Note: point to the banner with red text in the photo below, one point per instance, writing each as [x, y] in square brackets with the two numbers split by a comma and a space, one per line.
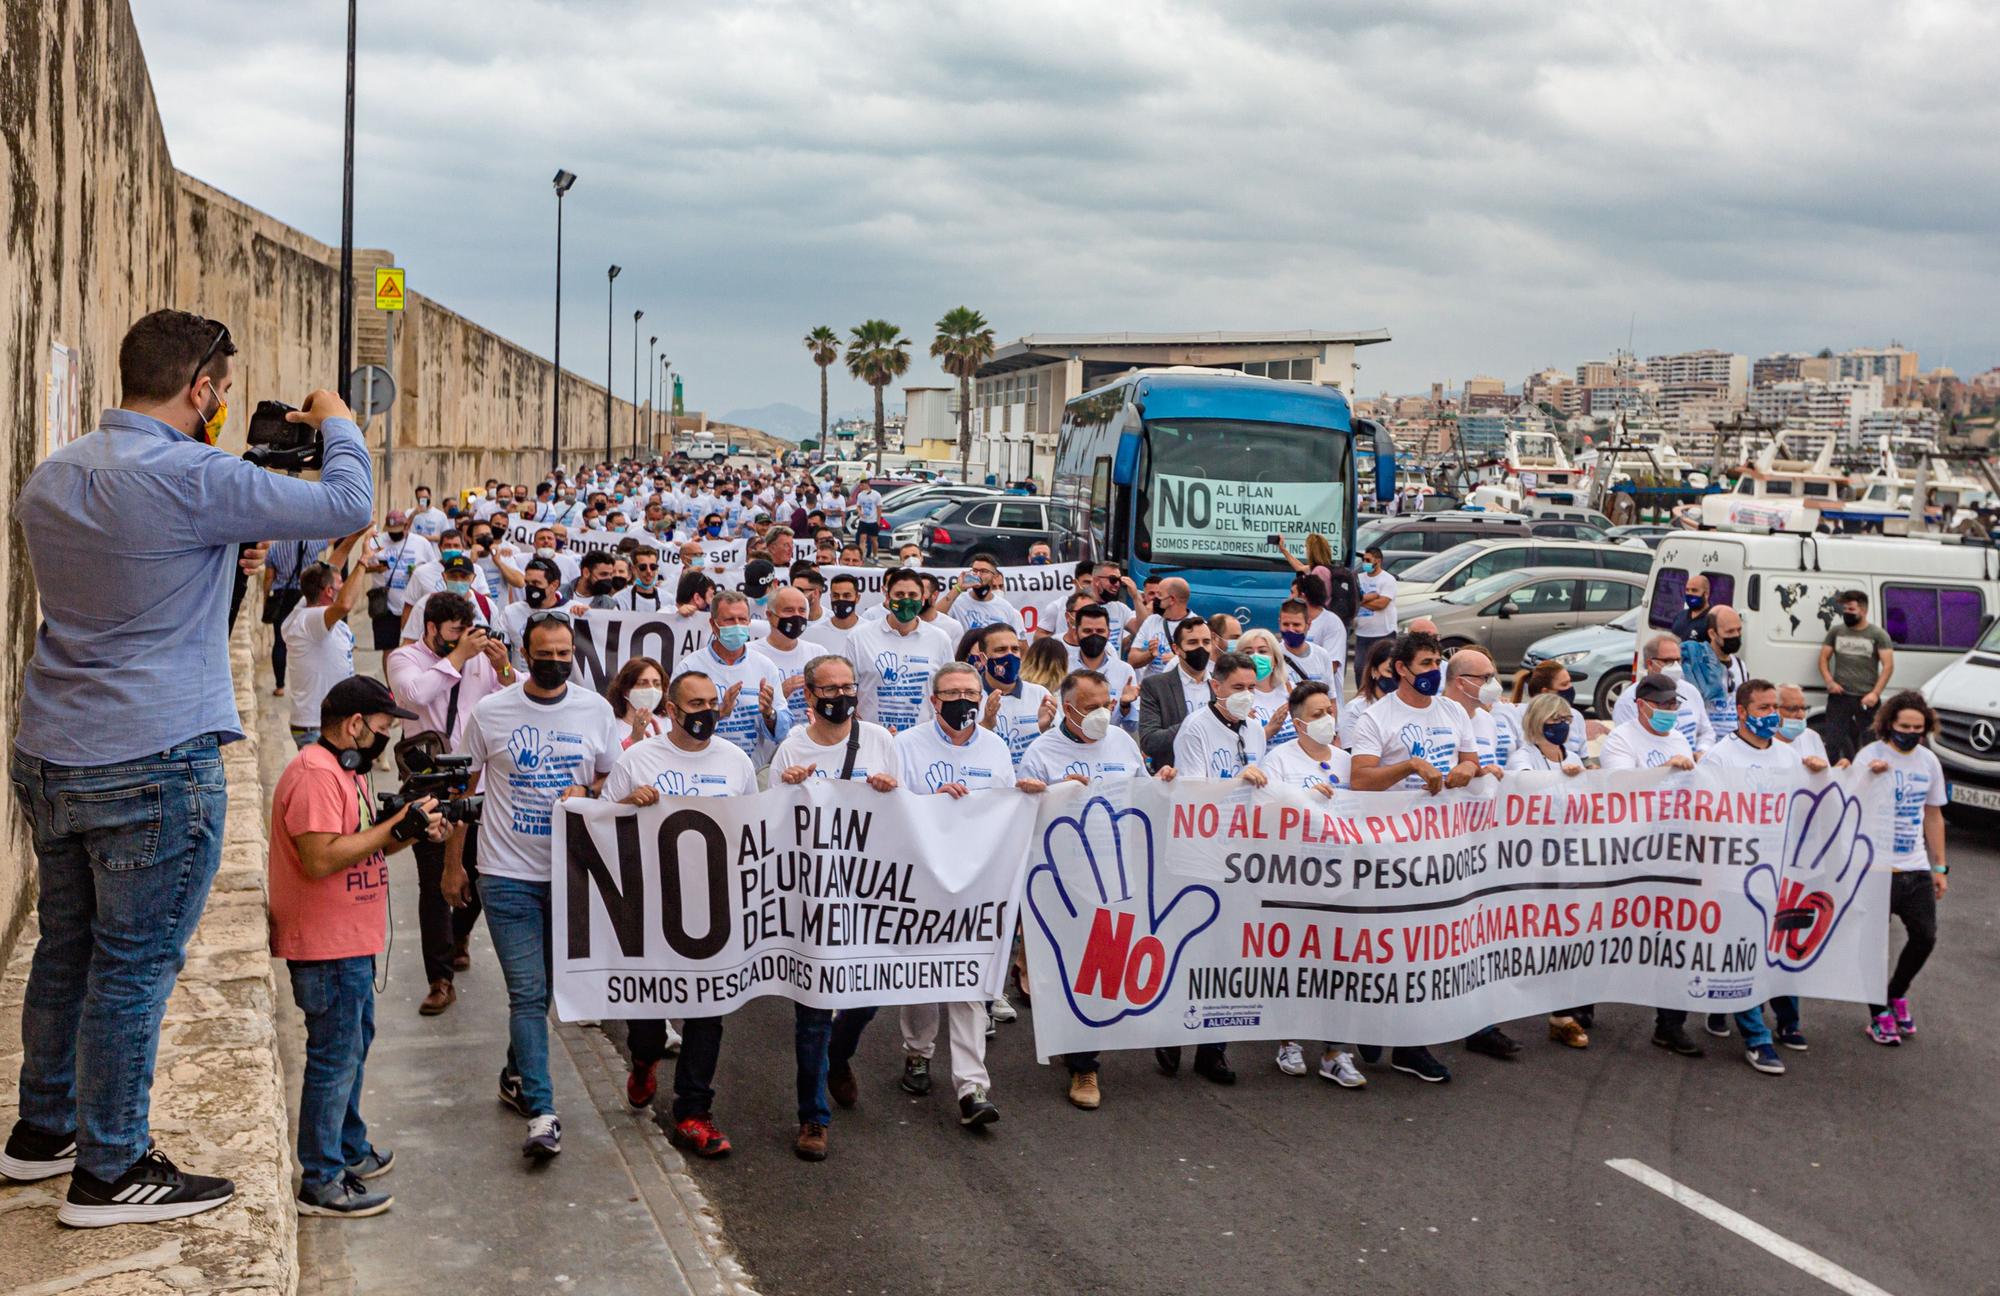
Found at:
[1177, 913]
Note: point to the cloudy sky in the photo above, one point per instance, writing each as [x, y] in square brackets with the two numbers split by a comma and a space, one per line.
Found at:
[1503, 184]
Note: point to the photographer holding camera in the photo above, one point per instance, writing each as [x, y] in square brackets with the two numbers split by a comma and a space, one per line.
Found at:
[329, 902]
[132, 531]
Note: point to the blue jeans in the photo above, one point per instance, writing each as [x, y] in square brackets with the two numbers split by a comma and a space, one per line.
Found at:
[517, 918]
[338, 998]
[812, 1032]
[125, 856]
[304, 738]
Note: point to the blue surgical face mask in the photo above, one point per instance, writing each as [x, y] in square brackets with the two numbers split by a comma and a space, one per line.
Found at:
[1662, 721]
[1556, 733]
[1429, 682]
[1764, 726]
[1791, 729]
[733, 637]
[458, 587]
[1038, 560]
[1568, 695]
[1294, 639]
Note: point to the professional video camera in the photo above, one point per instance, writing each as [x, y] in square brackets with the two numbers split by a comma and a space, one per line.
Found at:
[275, 442]
[443, 777]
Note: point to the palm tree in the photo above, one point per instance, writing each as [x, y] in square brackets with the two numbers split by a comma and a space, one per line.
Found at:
[824, 344]
[878, 354]
[964, 343]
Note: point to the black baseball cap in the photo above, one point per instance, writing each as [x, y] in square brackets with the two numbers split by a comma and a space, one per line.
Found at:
[757, 575]
[457, 562]
[1657, 689]
[360, 695]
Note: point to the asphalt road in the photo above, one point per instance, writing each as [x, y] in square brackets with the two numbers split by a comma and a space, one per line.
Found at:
[1884, 1162]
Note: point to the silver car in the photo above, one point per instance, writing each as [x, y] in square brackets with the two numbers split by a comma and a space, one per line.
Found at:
[1599, 658]
[1506, 613]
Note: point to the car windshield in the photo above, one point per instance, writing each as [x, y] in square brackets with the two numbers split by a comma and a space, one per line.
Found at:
[1990, 641]
[1438, 566]
[1481, 590]
[1626, 620]
[1214, 490]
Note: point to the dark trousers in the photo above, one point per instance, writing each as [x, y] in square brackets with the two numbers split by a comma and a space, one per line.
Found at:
[1913, 898]
[442, 927]
[1666, 1019]
[1845, 726]
[278, 658]
[694, 1071]
[1202, 1053]
[848, 1024]
[1080, 1063]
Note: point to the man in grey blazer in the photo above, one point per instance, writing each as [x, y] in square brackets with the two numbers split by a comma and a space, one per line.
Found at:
[1166, 699]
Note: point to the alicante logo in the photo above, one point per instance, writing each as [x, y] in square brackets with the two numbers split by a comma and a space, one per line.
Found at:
[1117, 951]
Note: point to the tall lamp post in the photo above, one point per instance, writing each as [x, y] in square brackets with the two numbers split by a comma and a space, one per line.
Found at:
[663, 441]
[562, 182]
[346, 360]
[652, 405]
[637, 315]
[610, 294]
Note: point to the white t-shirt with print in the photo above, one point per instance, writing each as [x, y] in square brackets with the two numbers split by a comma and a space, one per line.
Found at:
[824, 635]
[1289, 765]
[1205, 747]
[791, 661]
[527, 751]
[1632, 745]
[404, 557]
[1055, 755]
[977, 613]
[1693, 719]
[1919, 782]
[1328, 632]
[718, 769]
[893, 672]
[744, 725]
[1157, 636]
[930, 759]
[1020, 720]
[319, 659]
[1733, 753]
[875, 754]
[1394, 731]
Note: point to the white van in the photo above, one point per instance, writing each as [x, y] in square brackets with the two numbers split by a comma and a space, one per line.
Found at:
[1935, 596]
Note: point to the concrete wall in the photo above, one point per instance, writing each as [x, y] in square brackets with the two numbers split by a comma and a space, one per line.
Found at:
[100, 229]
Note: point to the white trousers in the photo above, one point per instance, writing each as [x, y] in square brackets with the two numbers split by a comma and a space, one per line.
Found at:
[967, 1023]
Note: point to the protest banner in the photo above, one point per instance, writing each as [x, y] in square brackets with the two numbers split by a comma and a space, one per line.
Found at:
[1027, 588]
[1170, 913]
[606, 640]
[714, 553]
[828, 893]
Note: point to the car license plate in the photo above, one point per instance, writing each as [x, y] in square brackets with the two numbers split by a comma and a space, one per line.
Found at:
[1984, 798]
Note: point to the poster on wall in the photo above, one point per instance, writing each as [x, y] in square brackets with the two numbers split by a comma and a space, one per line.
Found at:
[65, 399]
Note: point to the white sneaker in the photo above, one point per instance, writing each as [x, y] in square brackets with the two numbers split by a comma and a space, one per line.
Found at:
[1002, 1009]
[673, 1046]
[1340, 1068]
[544, 1137]
[1291, 1058]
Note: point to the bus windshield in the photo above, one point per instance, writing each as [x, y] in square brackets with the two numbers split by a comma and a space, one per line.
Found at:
[1212, 491]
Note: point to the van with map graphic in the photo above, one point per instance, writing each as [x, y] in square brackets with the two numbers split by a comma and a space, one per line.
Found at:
[1934, 595]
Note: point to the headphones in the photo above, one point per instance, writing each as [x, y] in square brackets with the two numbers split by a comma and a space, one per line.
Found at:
[349, 757]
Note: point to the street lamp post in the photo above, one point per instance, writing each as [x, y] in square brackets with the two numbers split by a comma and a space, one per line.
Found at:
[610, 294]
[652, 403]
[346, 360]
[637, 315]
[562, 182]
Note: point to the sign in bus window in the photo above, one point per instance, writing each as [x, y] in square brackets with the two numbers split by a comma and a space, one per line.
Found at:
[1222, 488]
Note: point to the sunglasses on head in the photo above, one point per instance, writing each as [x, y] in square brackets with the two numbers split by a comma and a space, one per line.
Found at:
[221, 335]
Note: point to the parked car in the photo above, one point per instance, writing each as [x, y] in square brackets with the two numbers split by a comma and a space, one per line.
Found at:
[905, 498]
[1508, 612]
[1966, 697]
[1437, 532]
[1004, 528]
[1646, 533]
[1598, 657]
[1478, 559]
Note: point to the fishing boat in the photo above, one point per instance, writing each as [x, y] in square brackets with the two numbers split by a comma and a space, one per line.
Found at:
[1778, 492]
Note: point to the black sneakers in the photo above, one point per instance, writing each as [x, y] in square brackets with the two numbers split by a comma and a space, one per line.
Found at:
[31, 1154]
[153, 1189]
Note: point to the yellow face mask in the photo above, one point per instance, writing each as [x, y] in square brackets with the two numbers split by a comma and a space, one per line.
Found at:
[212, 428]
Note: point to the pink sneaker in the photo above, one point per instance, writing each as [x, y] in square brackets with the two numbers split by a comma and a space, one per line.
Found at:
[1900, 1010]
[1883, 1030]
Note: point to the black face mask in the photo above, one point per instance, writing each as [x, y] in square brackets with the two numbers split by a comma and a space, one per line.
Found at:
[1905, 741]
[792, 626]
[1196, 659]
[358, 760]
[549, 673]
[844, 608]
[1093, 645]
[1732, 644]
[1851, 618]
[834, 710]
[697, 725]
[957, 713]
[536, 595]
[397, 535]
[605, 585]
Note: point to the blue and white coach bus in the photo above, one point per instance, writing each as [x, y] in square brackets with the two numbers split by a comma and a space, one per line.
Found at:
[1189, 472]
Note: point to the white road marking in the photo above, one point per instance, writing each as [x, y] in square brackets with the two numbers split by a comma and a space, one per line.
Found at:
[1748, 1229]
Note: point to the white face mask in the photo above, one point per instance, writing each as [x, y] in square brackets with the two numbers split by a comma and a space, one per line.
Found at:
[1323, 730]
[1095, 724]
[545, 551]
[1672, 670]
[644, 699]
[1239, 705]
[1489, 692]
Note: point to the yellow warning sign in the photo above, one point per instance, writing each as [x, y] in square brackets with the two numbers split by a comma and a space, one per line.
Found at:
[389, 288]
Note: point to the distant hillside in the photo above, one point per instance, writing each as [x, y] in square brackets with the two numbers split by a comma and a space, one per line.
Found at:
[750, 438]
[787, 422]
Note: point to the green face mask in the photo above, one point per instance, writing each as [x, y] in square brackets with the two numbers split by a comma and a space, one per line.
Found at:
[906, 609]
[1263, 664]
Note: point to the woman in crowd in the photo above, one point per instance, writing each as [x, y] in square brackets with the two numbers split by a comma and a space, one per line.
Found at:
[1916, 857]
[1511, 728]
[1046, 662]
[1269, 698]
[635, 695]
[1378, 676]
[1547, 722]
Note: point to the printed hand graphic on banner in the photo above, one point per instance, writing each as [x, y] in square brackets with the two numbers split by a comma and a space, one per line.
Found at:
[1118, 954]
[940, 773]
[525, 745]
[1827, 856]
